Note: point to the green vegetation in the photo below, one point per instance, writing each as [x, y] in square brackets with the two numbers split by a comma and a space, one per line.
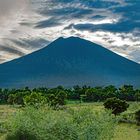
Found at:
[116, 105]
[78, 113]
[137, 116]
[47, 124]
[85, 94]
[34, 99]
[56, 99]
[75, 111]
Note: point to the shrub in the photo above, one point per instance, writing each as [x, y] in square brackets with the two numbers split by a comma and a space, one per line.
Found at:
[17, 98]
[127, 93]
[21, 135]
[90, 95]
[34, 99]
[41, 124]
[61, 97]
[4, 93]
[57, 99]
[137, 116]
[11, 99]
[83, 98]
[116, 105]
[70, 124]
[137, 95]
[93, 125]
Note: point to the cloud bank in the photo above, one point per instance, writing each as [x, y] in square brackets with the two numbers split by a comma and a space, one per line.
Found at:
[112, 24]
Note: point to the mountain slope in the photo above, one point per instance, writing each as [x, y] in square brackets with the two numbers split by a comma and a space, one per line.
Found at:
[68, 62]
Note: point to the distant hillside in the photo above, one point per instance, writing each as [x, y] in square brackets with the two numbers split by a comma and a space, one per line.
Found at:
[69, 62]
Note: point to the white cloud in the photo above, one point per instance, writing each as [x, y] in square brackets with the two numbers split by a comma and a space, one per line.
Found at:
[32, 22]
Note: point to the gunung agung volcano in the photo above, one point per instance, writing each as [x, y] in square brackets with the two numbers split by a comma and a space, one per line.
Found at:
[70, 61]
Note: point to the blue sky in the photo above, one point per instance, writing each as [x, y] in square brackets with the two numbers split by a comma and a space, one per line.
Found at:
[28, 25]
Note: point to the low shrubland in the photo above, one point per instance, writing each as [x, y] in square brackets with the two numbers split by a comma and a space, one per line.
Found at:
[69, 124]
[30, 119]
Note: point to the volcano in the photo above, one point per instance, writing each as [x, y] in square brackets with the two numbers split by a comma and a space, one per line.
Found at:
[70, 61]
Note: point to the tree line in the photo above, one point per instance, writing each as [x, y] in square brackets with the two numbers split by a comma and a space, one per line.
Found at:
[84, 93]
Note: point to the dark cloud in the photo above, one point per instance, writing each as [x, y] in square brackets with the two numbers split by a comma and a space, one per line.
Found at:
[92, 10]
[98, 17]
[62, 10]
[121, 26]
[31, 43]
[58, 16]
[11, 50]
[51, 22]
[74, 12]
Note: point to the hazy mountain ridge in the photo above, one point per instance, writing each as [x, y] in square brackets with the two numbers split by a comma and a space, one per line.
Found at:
[68, 62]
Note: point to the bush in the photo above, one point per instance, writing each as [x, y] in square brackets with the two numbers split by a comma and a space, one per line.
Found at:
[39, 124]
[17, 98]
[70, 124]
[137, 95]
[11, 99]
[4, 93]
[21, 135]
[127, 93]
[137, 116]
[90, 95]
[116, 105]
[34, 99]
[57, 99]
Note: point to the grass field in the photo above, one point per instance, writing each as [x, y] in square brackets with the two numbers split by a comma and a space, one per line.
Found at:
[123, 131]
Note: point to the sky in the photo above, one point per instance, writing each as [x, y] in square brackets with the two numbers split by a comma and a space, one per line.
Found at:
[29, 25]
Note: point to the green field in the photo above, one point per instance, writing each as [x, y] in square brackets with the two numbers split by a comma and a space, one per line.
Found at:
[123, 131]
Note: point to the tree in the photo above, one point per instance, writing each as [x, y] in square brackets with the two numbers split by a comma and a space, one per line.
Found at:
[17, 97]
[137, 116]
[4, 93]
[76, 92]
[61, 97]
[116, 105]
[82, 98]
[137, 95]
[127, 93]
[11, 99]
[57, 99]
[90, 95]
[110, 91]
[34, 99]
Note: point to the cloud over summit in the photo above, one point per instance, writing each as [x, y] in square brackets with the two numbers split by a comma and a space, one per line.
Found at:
[113, 24]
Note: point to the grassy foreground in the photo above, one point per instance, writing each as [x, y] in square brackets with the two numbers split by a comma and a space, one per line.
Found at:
[123, 131]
